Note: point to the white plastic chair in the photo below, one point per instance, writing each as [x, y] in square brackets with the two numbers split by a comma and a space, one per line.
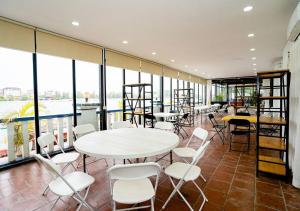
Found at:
[130, 184]
[121, 124]
[185, 172]
[70, 184]
[68, 158]
[188, 152]
[168, 126]
[81, 130]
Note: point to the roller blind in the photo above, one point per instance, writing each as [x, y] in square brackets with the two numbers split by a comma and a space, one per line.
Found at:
[119, 60]
[16, 36]
[169, 72]
[184, 76]
[60, 46]
[152, 68]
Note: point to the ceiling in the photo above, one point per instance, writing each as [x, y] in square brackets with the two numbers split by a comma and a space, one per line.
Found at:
[207, 38]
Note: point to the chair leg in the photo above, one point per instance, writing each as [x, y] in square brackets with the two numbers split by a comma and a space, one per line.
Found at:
[180, 194]
[54, 203]
[172, 194]
[203, 195]
[202, 177]
[45, 191]
[85, 195]
[230, 142]
[152, 204]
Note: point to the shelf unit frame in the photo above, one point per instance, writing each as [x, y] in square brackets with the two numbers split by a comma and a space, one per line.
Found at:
[184, 102]
[132, 102]
[278, 142]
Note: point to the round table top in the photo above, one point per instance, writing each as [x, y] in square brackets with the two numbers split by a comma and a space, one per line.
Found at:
[165, 114]
[127, 143]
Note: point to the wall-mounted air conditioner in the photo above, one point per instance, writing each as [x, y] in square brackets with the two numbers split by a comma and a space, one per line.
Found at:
[293, 30]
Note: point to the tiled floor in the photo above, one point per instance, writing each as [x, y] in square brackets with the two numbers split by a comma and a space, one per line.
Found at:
[231, 185]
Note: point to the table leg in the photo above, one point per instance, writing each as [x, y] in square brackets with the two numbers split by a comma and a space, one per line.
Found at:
[171, 157]
[84, 164]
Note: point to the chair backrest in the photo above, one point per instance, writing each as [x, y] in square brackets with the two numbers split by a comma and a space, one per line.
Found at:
[242, 114]
[199, 153]
[53, 169]
[81, 130]
[164, 126]
[212, 119]
[200, 133]
[134, 172]
[149, 116]
[185, 116]
[46, 140]
[121, 124]
[239, 122]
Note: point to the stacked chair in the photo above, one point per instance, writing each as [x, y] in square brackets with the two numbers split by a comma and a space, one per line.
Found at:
[219, 128]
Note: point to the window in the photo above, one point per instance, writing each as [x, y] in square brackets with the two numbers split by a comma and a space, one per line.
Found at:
[16, 101]
[145, 78]
[201, 94]
[55, 96]
[131, 77]
[167, 91]
[114, 88]
[180, 84]
[156, 93]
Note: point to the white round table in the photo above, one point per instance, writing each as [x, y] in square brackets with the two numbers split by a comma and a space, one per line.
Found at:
[127, 143]
[165, 115]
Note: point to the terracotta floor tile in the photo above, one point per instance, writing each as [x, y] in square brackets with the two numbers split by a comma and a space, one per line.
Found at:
[270, 200]
[268, 188]
[218, 185]
[263, 208]
[292, 199]
[241, 195]
[238, 205]
[223, 176]
[215, 197]
[243, 184]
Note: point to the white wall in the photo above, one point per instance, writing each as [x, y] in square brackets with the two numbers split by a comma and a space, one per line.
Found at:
[292, 61]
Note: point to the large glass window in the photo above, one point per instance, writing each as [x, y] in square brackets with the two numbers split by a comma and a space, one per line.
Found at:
[16, 101]
[114, 86]
[131, 77]
[145, 78]
[167, 91]
[201, 94]
[156, 93]
[55, 97]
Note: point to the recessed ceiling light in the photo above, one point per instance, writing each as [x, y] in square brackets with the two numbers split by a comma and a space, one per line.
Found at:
[196, 69]
[254, 64]
[253, 58]
[248, 8]
[172, 60]
[254, 69]
[186, 66]
[251, 35]
[153, 53]
[75, 23]
[252, 49]
[125, 42]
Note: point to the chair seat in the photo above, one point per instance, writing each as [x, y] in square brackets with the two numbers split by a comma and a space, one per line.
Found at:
[240, 132]
[185, 152]
[220, 126]
[78, 180]
[178, 169]
[133, 191]
[65, 157]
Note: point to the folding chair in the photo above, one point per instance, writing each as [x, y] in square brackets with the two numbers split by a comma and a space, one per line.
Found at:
[166, 126]
[188, 152]
[121, 124]
[219, 128]
[67, 185]
[47, 141]
[241, 128]
[180, 124]
[185, 172]
[149, 118]
[82, 130]
[130, 184]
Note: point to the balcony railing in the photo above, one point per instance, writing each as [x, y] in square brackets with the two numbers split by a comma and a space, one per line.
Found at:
[61, 125]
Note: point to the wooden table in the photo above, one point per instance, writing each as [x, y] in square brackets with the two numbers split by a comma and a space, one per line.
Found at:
[251, 119]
